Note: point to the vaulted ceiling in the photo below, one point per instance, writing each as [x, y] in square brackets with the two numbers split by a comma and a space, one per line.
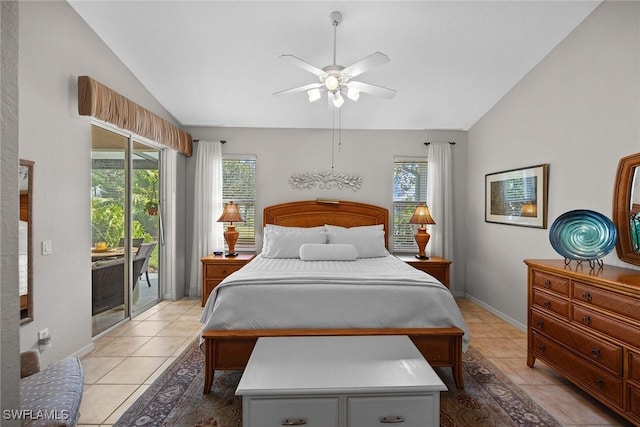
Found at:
[217, 63]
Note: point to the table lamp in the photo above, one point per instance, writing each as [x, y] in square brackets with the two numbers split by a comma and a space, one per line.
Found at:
[422, 216]
[231, 214]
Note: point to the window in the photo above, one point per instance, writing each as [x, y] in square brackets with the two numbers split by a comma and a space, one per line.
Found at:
[239, 185]
[409, 190]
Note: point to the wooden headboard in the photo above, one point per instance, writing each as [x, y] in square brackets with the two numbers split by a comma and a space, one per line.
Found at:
[312, 213]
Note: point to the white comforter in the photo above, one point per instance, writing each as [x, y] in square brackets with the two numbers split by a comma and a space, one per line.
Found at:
[366, 293]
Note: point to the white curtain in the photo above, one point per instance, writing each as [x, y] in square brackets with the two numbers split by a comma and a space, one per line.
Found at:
[207, 208]
[440, 199]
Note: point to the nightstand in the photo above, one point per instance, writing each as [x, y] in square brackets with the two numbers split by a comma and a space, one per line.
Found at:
[435, 266]
[217, 267]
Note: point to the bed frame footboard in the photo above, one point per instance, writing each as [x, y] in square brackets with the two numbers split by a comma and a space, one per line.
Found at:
[228, 349]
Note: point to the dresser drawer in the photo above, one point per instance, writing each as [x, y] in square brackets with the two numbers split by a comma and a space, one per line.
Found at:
[407, 411]
[634, 401]
[551, 282]
[610, 301]
[547, 301]
[634, 367]
[598, 351]
[219, 272]
[607, 325]
[274, 412]
[600, 383]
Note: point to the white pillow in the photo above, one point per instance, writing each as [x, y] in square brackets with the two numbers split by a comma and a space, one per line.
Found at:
[287, 244]
[368, 239]
[269, 228]
[328, 252]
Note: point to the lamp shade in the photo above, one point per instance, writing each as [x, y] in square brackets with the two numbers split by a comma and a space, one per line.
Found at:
[529, 209]
[421, 216]
[230, 213]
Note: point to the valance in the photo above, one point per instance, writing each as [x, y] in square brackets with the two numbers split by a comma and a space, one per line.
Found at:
[99, 101]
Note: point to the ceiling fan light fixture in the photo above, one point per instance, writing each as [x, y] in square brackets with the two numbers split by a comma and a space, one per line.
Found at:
[331, 82]
[314, 95]
[338, 100]
[353, 94]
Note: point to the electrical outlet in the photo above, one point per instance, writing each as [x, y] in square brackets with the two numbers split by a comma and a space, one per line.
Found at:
[44, 333]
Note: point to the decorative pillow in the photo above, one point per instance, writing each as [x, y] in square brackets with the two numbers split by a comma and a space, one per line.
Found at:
[287, 244]
[368, 239]
[328, 252]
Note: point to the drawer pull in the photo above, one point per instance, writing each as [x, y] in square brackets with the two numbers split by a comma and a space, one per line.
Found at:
[547, 304]
[391, 420]
[599, 382]
[586, 319]
[540, 323]
[542, 348]
[596, 352]
[547, 283]
[586, 296]
[294, 422]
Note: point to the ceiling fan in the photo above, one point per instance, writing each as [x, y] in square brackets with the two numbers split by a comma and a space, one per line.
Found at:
[335, 79]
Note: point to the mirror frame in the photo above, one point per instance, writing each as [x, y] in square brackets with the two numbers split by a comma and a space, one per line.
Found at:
[28, 316]
[621, 207]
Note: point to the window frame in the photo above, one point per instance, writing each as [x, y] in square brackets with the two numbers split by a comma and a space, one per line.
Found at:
[406, 245]
[243, 244]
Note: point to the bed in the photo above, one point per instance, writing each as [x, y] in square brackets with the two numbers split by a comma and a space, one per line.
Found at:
[233, 323]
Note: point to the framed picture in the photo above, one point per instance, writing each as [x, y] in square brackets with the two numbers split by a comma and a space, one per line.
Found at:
[517, 196]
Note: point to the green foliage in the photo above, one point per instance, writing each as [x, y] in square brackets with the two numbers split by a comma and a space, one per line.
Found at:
[107, 206]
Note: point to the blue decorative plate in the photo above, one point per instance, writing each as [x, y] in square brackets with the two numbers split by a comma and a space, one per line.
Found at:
[583, 235]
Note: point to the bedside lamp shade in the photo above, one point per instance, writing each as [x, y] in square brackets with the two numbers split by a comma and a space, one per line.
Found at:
[422, 216]
[231, 214]
[529, 209]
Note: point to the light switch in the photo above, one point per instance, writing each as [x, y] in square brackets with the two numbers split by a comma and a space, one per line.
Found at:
[47, 247]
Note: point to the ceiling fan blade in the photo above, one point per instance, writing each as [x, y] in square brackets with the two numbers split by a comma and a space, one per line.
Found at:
[373, 89]
[298, 89]
[366, 64]
[303, 64]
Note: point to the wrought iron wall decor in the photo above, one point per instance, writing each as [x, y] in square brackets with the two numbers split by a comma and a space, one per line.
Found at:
[325, 181]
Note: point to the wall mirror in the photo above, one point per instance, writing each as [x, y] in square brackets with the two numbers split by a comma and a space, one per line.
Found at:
[626, 209]
[25, 246]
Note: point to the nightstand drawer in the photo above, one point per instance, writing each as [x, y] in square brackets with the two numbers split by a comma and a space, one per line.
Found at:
[219, 272]
[216, 267]
[434, 266]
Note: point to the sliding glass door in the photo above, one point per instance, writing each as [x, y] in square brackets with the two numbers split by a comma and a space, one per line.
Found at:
[146, 222]
[126, 227]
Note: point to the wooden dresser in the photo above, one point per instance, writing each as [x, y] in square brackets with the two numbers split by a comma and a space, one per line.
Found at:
[217, 267]
[585, 324]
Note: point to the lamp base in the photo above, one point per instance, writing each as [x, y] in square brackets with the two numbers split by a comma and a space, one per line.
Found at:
[231, 255]
[422, 257]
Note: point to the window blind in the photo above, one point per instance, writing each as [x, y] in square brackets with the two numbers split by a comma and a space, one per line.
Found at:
[409, 190]
[239, 186]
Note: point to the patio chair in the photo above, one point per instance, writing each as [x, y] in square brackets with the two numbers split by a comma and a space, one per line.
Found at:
[136, 242]
[145, 252]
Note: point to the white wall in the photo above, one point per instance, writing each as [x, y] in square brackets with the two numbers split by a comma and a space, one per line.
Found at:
[577, 110]
[9, 313]
[285, 152]
[56, 46]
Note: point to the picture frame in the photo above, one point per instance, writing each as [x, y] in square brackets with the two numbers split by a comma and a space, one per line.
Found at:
[517, 196]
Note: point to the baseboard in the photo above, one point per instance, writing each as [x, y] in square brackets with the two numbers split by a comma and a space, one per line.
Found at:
[84, 350]
[513, 322]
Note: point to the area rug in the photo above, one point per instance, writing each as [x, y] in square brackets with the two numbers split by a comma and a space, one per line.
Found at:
[175, 399]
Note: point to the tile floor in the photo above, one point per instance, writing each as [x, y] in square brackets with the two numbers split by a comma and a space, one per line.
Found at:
[127, 360]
